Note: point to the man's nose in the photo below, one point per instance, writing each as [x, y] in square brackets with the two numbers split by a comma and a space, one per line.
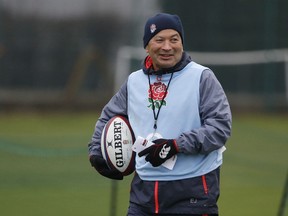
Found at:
[166, 45]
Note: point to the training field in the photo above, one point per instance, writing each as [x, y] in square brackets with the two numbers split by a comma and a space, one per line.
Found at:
[44, 168]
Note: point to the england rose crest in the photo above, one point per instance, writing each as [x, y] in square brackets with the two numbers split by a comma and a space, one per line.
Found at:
[156, 94]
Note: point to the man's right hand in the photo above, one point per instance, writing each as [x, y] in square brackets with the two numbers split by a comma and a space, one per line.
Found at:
[100, 165]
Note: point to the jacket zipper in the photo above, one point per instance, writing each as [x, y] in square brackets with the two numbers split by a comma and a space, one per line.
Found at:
[205, 187]
[156, 196]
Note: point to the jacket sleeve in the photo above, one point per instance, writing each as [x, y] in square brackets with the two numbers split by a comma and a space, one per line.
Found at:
[116, 106]
[216, 119]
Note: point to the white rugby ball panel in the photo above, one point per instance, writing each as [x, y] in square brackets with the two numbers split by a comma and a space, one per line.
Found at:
[116, 145]
[102, 144]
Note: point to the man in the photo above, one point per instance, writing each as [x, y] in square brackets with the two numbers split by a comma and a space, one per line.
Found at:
[181, 107]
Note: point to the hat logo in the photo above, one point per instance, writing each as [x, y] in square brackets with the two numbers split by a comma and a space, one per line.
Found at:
[153, 28]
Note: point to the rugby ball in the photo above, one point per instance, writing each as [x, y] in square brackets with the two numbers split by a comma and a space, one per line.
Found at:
[116, 145]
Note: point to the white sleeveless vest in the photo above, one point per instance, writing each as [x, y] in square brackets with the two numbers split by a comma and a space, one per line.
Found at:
[178, 114]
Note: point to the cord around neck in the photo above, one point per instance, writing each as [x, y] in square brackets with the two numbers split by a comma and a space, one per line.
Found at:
[156, 115]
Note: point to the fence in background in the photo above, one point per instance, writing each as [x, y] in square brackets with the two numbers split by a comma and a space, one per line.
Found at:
[250, 78]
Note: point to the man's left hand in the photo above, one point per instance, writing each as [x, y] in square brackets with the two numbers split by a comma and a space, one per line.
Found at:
[162, 150]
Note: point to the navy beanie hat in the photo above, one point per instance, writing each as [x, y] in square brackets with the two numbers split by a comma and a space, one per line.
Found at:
[160, 22]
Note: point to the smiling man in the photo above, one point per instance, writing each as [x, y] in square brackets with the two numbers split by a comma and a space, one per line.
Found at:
[165, 49]
[181, 107]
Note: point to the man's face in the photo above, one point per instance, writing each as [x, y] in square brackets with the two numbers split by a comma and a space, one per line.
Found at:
[165, 49]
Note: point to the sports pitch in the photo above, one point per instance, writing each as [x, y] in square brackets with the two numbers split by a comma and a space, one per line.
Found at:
[44, 168]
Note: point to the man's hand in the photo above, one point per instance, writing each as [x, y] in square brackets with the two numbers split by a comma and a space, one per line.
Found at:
[162, 150]
[100, 165]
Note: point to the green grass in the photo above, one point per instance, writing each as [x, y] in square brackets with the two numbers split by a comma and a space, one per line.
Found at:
[44, 168]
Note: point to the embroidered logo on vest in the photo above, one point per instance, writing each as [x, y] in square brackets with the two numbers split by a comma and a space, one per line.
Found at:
[156, 94]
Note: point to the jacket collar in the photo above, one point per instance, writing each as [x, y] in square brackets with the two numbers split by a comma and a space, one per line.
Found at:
[147, 65]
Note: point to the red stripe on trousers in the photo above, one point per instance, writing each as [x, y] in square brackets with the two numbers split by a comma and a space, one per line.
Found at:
[156, 197]
[205, 187]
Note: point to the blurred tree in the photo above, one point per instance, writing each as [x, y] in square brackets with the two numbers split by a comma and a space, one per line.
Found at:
[231, 25]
